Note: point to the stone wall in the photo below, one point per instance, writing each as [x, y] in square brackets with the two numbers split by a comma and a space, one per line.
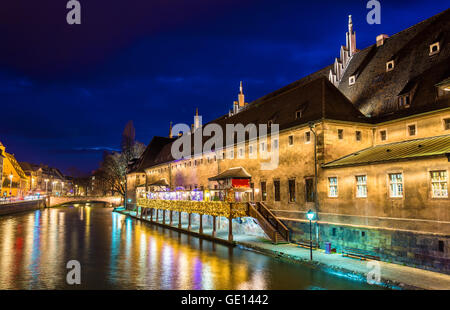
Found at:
[21, 206]
[414, 249]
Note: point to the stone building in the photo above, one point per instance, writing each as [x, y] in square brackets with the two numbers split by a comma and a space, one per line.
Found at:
[375, 124]
[14, 181]
[44, 179]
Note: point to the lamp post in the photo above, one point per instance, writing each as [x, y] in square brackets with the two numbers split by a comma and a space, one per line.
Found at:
[310, 216]
[10, 185]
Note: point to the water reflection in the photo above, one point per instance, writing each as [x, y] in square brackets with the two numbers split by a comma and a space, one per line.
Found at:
[117, 252]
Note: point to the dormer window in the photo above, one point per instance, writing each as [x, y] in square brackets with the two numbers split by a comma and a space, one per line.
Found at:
[404, 101]
[390, 66]
[298, 114]
[434, 48]
[352, 80]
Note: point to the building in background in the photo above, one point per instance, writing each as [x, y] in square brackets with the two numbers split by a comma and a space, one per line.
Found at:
[14, 181]
[43, 179]
[375, 123]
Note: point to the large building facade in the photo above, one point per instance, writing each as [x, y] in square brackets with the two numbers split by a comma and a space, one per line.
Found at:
[372, 131]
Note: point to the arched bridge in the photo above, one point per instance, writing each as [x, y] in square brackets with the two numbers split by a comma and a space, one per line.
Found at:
[59, 200]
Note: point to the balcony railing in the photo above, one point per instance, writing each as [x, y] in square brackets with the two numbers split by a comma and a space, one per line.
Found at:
[214, 208]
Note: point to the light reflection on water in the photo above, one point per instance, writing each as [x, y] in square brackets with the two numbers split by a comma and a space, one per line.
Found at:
[117, 252]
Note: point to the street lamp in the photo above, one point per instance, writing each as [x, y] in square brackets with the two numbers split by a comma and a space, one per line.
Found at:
[10, 185]
[310, 216]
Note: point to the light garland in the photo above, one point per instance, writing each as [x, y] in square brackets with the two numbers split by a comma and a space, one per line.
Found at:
[214, 208]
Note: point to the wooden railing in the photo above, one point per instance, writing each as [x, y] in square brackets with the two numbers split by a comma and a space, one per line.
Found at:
[269, 218]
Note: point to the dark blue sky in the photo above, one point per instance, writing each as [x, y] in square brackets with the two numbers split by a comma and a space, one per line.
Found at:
[66, 92]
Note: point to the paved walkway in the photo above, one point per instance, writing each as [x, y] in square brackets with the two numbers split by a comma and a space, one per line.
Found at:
[392, 275]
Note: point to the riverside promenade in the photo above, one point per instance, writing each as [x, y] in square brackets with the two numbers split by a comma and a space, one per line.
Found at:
[392, 276]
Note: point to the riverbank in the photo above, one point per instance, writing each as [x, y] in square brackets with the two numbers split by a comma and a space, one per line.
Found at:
[21, 206]
[391, 275]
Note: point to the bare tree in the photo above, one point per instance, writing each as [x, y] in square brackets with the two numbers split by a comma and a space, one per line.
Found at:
[113, 168]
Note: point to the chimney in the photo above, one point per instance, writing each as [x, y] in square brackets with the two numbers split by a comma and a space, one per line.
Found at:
[381, 38]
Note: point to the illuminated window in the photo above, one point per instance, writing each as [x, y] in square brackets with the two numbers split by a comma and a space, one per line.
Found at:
[358, 135]
[389, 66]
[383, 135]
[447, 124]
[361, 186]
[439, 184]
[307, 137]
[332, 187]
[276, 188]
[411, 130]
[309, 190]
[351, 80]
[291, 140]
[263, 191]
[292, 190]
[396, 185]
[434, 48]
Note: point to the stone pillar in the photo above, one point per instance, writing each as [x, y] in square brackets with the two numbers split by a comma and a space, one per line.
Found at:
[164, 216]
[179, 219]
[189, 221]
[200, 230]
[170, 216]
[214, 226]
[157, 215]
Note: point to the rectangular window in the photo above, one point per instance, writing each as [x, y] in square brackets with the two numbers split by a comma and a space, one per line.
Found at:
[291, 140]
[250, 149]
[439, 184]
[307, 136]
[263, 147]
[383, 135]
[309, 190]
[447, 124]
[263, 191]
[396, 185]
[361, 186]
[340, 134]
[276, 188]
[358, 135]
[298, 114]
[291, 190]
[412, 130]
[332, 187]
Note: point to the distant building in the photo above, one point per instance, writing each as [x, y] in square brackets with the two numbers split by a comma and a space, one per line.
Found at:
[14, 181]
[44, 179]
[382, 120]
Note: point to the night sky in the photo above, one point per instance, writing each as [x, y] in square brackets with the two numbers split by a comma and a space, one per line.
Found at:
[67, 91]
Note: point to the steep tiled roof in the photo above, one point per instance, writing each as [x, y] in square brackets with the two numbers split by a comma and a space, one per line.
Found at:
[376, 91]
[15, 165]
[420, 148]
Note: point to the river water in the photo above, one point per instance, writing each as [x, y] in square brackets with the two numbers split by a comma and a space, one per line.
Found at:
[116, 252]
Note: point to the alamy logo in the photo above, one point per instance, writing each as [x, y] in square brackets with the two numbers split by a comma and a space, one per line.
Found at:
[236, 136]
[374, 16]
[74, 275]
[74, 15]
